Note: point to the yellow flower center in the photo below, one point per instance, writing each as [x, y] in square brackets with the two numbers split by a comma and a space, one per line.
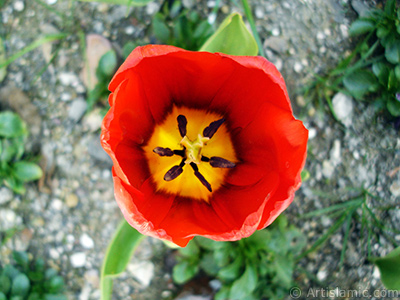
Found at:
[190, 153]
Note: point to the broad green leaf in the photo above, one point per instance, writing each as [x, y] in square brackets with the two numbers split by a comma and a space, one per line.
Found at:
[223, 293]
[118, 255]
[392, 52]
[56, 284]
[16, 185]
[108, 63]
[128, 48]
[245, 285]
[393, 106]
[231, 271]
[184, 271]
[210, 244]
[390, 7]
[191, 250]
[389, 267]
[21, 258]
[27, 171]
[20, 285]
[2, 296]
[284, 270]
[361, 26]
[54, 297]
[359, 83]
[122, 2]
[11, 125]
[160, 29]
[50, 273]
[381, 71]
[208, 264]
[5, 284]
[232, 37]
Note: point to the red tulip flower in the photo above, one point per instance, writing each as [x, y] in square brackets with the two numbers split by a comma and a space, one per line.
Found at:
[202, 143]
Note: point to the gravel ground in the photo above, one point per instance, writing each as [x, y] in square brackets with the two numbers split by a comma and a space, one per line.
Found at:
[69, 217]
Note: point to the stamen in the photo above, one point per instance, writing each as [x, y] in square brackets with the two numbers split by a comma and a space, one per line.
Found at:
[182, 122]
[211, 129]
[163, 151]
[180, 152]
[219, 162]
[174, 172]
[201, 177]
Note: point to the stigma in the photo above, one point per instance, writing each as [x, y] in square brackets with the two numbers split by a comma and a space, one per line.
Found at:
[192, 157]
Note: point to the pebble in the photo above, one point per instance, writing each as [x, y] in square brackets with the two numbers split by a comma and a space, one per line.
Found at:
[71, 200]
[54, 254]
[67, 78]
[56, 204]
[142, 271]
[322, 274]
[153, 7]
[395, 189]
[51, 2]
[297, 67]
[327, 169]
[343, 108]
[86, 241]
[9, 219]
[92, 121]
[6, 195]
[77, 109]
[19, 6]
[312, 133]
[78, 259]
[92, 277]
[335, 153]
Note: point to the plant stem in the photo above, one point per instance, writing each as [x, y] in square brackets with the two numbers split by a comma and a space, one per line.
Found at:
[249, 16]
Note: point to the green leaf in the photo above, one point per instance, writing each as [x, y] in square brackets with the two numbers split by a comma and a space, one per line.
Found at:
[108, 63]
[392, 52]
[56, 284]
[232, 37]
[390, 7]
[232, 271]
[10, 271]
[381, 71]
[20, 285]
[22, 259]
[359, 83]
[191, 250]
[5, 284]
[393, 106]
[118, 255]
[50, 273]
[27, 171]
[184, 271]
[11, 125]
[16, 185]
[2, 296]
[223, 293]
[160, 29]
[208, 264]
[128, 48]
[284, 270]
[389, 267]
[122, 2]
[54, 297]
[361, 26]
[245, 285]
[210, 244]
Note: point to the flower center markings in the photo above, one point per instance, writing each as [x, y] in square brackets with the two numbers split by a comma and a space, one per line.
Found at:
[192, 152]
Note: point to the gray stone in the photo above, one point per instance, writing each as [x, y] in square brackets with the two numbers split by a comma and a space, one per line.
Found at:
[142, 271]
[77, 109]
[9, 219]
[395, 189]
[343, 108]
[78, 259]
[6, 195]
[86, 241]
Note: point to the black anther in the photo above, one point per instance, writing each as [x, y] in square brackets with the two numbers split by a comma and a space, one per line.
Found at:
[182, 122]
[163, 151]
[219, 162]
[174, 172]
[211, 129]
[200, 177]
[180, 152]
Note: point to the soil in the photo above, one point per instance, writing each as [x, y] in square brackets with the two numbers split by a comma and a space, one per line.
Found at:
[69, 216]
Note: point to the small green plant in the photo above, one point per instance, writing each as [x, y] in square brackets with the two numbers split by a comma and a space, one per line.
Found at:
[372, 71]
[104, 72]
[260, 266]
[29, 280]
[177, 26]
[14, 170]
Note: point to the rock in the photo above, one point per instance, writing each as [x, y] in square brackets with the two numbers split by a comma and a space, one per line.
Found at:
[327, 169]
[6, 195]
[19, 6]
[92, 121]
[395, 189]
[360, 7]
[77, 109]
[71, 200]
[96, 47]
[78, 259]
[86, 241]
[142, 271]
[322, 274]
[9, 219]
[343, 108]
[68, 78]
[335, 156]
[276, 43]
[92, 277]
[23, 238]
[97, 152]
